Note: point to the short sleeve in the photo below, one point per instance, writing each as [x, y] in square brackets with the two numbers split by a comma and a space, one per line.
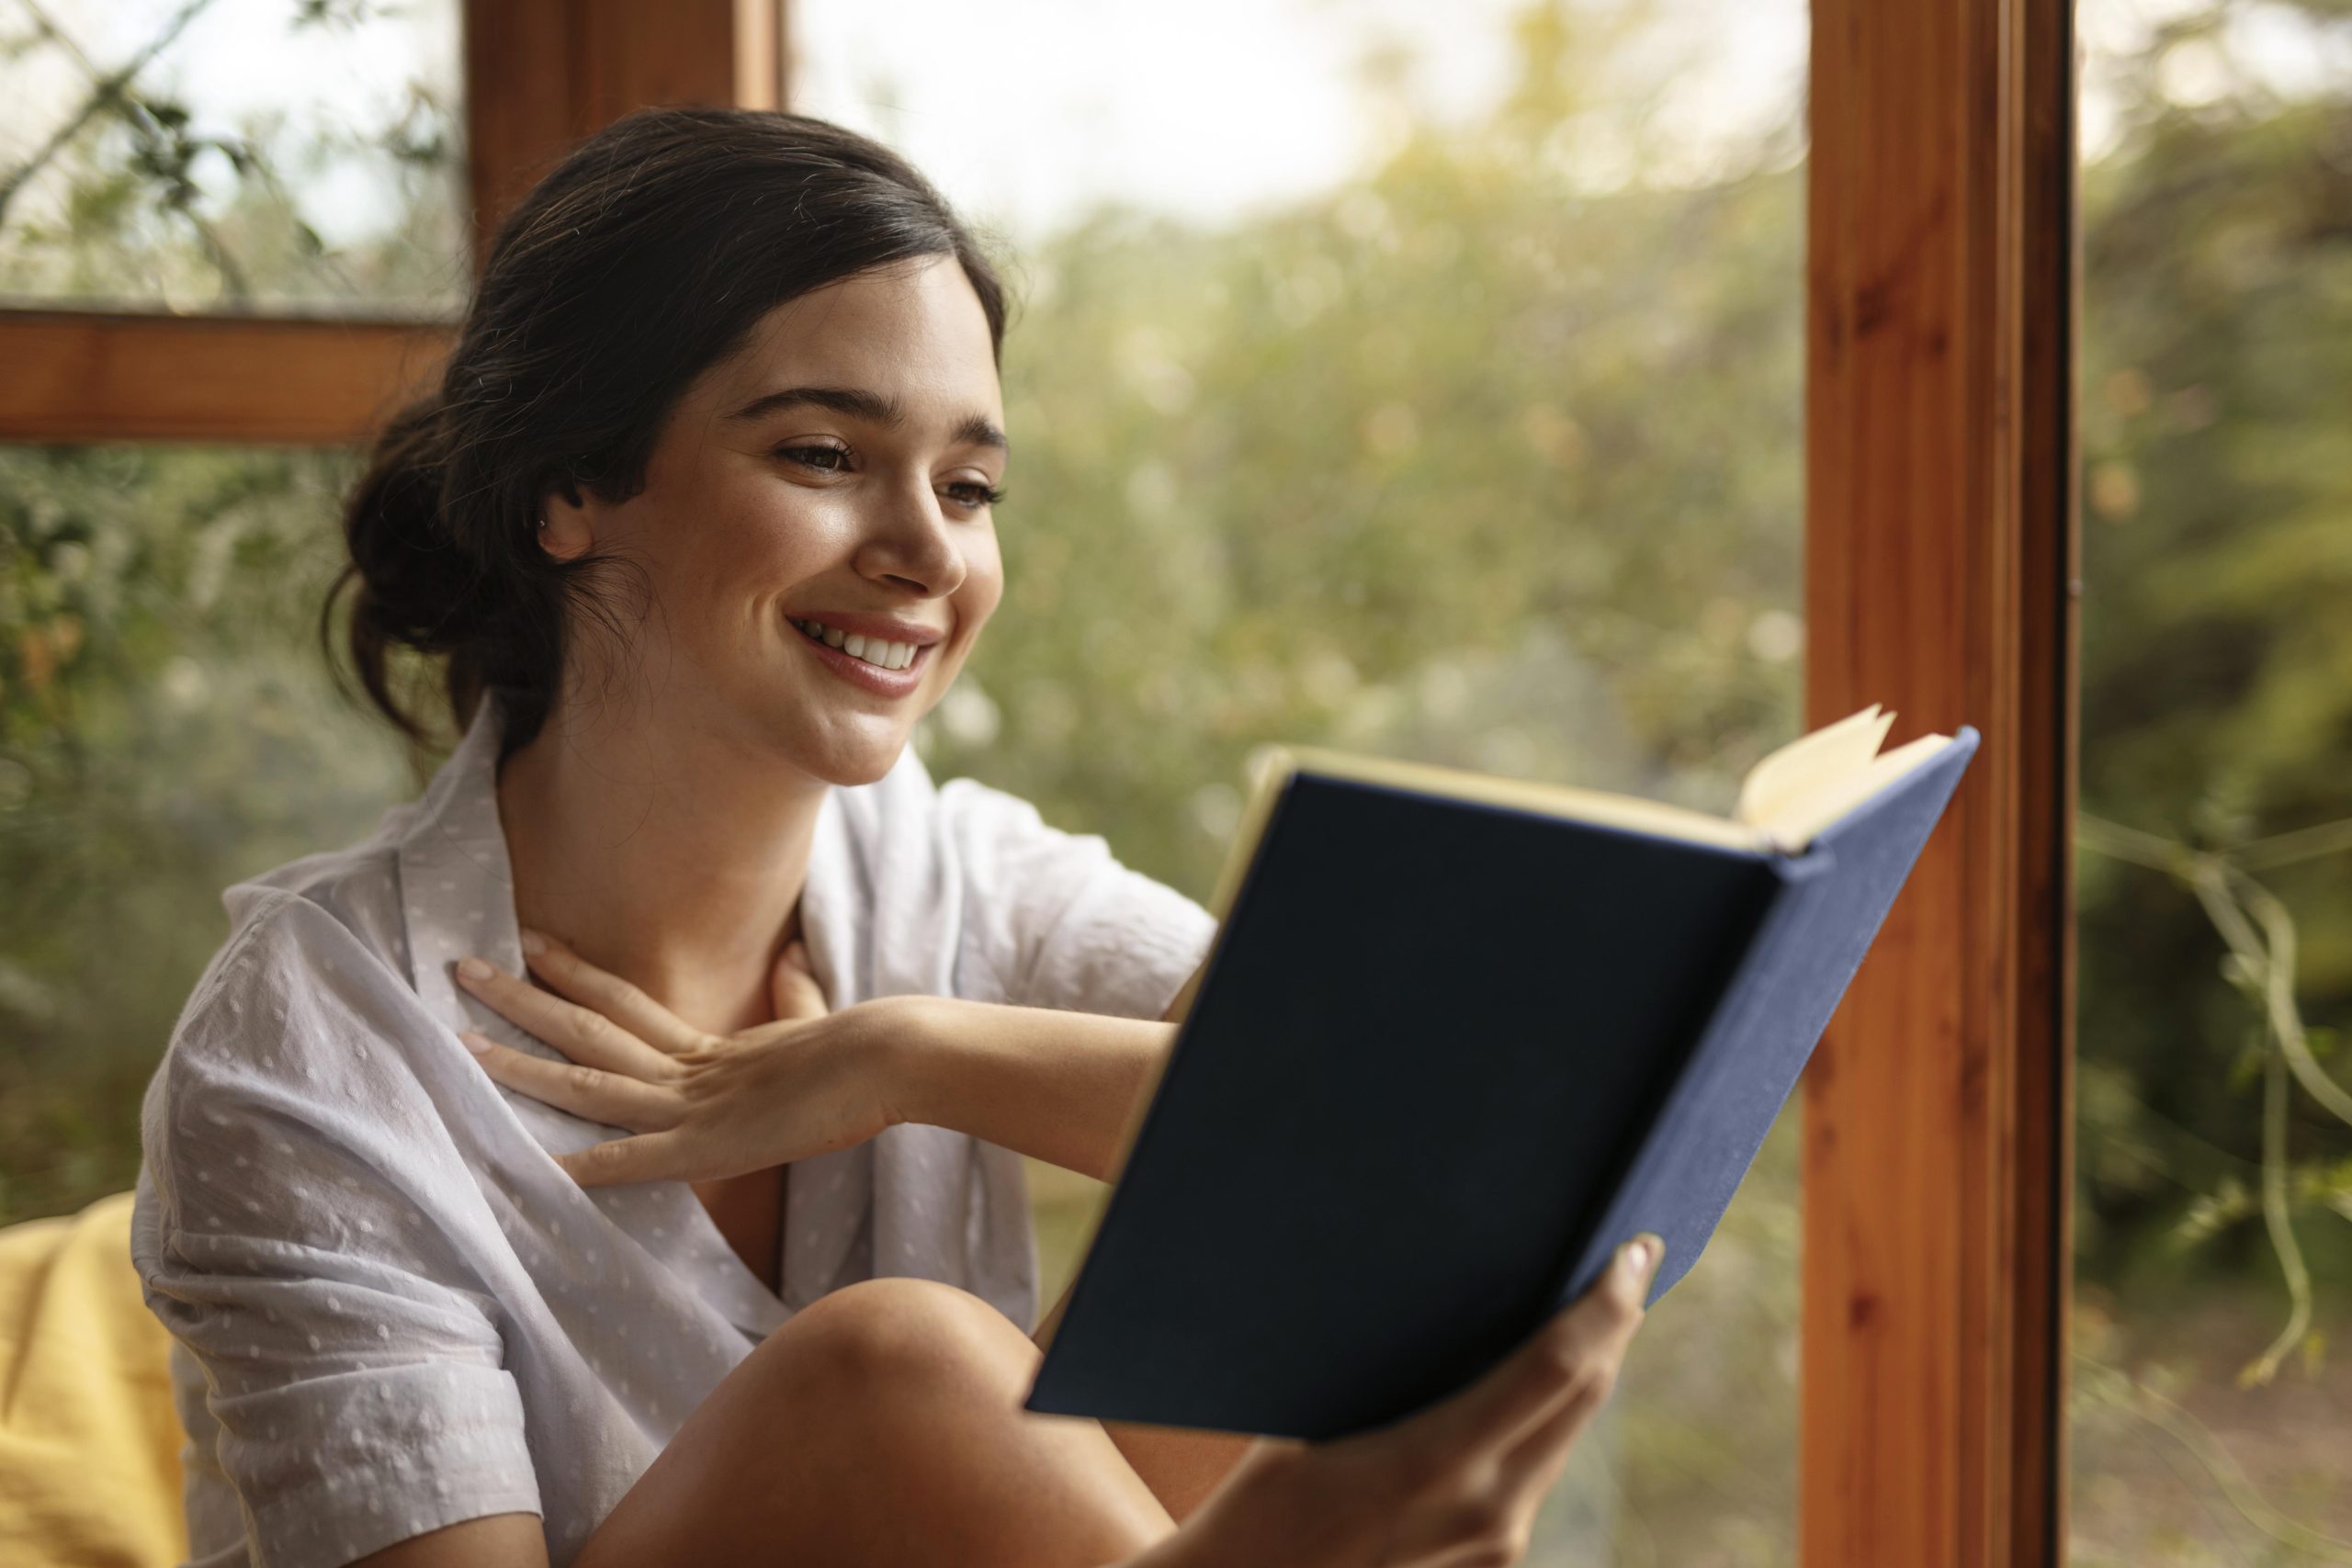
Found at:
[1061, 921]
[288, 1234]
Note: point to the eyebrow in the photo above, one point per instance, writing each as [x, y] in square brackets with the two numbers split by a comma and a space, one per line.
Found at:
[859, 403]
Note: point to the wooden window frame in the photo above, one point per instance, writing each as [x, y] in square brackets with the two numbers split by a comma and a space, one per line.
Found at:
[563, 68]
[1940, 580]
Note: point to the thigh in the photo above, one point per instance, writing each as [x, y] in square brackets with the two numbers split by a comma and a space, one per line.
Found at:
[883, 1424]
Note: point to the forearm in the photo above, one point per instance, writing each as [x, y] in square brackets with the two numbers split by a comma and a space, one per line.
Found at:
[1056, 1085]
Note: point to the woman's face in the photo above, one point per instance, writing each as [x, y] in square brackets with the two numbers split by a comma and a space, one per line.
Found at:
[814, 534]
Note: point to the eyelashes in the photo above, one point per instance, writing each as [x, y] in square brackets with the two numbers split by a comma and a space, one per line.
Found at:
[805, 457]
[835, 460]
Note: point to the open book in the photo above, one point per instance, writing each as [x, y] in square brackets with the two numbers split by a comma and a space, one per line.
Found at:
[1458, 1037]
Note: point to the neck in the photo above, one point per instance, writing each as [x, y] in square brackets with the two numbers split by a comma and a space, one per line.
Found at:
[675, 860]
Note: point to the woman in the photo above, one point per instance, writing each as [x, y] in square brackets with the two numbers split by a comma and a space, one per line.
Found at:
[712, 1246]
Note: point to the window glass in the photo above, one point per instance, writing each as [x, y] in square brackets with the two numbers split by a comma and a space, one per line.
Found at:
[199, 155]
[2211, 1419]
[1418, 380]
[166, 728]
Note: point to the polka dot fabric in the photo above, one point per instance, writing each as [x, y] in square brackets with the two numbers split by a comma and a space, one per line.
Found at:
[391, 1310]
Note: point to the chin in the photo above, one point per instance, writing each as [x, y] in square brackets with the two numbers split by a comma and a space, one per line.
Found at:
[849, 762]
[849, 777]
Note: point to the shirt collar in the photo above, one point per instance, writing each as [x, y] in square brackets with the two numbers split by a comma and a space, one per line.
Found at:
[457, 886]
[457, 898]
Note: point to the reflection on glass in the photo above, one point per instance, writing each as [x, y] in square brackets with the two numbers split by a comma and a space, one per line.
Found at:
[199, 155]
[2212, 1420]
[1420, 380]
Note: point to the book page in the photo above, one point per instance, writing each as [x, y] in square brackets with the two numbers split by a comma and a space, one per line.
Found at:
[1799, 789]
[1810, 762]
[1806, 816]
[1626, 811]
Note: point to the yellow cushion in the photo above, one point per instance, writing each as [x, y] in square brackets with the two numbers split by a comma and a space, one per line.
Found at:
[89, 1442]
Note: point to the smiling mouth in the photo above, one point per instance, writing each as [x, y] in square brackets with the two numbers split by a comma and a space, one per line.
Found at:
[873, 650]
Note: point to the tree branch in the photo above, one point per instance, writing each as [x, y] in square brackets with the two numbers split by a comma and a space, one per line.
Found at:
[107, 90]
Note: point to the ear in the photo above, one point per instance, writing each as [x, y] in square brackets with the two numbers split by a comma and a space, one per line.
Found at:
[567, 522]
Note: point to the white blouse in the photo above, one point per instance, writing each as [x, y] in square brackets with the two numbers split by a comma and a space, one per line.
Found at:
[392, 1311]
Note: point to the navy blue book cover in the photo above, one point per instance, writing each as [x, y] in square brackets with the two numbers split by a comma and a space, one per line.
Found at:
[1445, 1057]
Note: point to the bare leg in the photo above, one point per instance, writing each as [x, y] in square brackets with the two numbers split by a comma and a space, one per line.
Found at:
[882, 1425]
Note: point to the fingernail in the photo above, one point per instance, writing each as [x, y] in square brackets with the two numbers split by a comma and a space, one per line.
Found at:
[475, 1042]
[1642, 1254]
[533, 942]
[473, 969]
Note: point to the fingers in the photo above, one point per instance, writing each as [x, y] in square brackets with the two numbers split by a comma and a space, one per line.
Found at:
[653, 1156]
[609, 994]
[1573, 1357]
[1535, 1459]
[614, 1099]
[1528, 1469]
[586, 1037]
[792, 984]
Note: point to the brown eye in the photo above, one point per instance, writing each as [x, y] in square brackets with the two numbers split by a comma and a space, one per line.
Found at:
[825, 459]
[968, 493]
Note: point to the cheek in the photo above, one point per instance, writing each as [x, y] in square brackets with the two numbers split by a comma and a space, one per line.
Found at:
[983, 585]
[753, 548]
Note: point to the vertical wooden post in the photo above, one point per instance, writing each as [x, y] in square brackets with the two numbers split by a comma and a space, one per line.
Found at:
[1939, 569]
[541, 75]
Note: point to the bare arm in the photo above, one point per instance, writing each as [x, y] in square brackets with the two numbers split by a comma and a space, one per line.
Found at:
[1059, 1087]
[1062, 1087]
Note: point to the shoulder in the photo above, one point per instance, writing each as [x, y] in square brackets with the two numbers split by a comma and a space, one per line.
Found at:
[356, 886]
[308, 943]
[301, 1026]
[1073, 926]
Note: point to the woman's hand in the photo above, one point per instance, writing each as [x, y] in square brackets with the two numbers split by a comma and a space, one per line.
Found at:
[1454, 1485]
[1062, 1087]
[702, 1106]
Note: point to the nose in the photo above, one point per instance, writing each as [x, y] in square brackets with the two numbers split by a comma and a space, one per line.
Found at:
[912, 543]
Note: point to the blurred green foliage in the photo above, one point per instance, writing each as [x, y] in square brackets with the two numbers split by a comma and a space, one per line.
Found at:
[2217, 637]
[2216, 409]
[165, 730]
[1457, 461]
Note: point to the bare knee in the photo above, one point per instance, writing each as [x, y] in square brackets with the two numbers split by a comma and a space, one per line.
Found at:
[886, 1334]
[882, 1425]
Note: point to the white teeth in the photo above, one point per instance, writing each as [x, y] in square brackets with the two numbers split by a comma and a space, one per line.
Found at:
[873, 650]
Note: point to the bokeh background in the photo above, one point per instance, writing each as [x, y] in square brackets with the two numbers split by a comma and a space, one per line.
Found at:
[1421, 380]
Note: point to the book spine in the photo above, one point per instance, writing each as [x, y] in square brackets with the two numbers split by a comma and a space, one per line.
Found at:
[1713, 1059]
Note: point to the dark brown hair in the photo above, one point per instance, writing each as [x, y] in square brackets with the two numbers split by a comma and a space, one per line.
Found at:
[644, 258]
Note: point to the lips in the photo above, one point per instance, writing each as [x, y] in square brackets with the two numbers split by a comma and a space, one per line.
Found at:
[884, 652]
[860, 672]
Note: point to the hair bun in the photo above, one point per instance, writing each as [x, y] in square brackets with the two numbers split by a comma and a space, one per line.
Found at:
[411, 584]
